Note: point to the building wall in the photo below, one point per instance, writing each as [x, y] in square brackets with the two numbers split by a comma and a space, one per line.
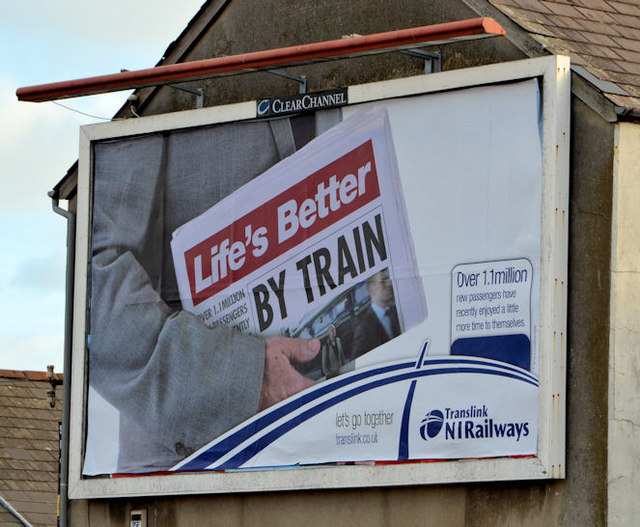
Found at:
[580, 499]
[624, 375]
[280, 23]
[590, 198]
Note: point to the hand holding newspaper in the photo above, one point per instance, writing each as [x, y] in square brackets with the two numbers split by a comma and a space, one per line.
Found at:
[290, 252]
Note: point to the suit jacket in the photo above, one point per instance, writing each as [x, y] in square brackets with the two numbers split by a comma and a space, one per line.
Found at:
[176, 382]
[370, 333]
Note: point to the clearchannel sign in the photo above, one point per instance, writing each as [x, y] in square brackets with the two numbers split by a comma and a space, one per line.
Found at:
[305, 102]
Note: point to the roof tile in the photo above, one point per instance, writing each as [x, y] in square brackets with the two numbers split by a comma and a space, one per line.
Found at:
[7, 519]
[533, 16]
[575, 35]
[12, 374]
[565, 46]
[531, 5]
[625, 102]
[18, 495]
[629, 32]
[540, 29]
[599, 27]
[597, 15]
[607, 64]
[9, 484]
[630, 56]
[18, 454]
[626, 20]
[567, 22]
[41, 444]
[36, 375]
[600, 51]
[527, 18]
[625, 8]
[41, 466]
[629, 44]
[603, 5]
[594, 38]
[18, 433]
[43, 455]
[631, 67]
[562, 9]
[625, 78]
[36, 475]
[39, 519]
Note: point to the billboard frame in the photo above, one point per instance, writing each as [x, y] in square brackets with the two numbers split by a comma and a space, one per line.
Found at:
[554, 73]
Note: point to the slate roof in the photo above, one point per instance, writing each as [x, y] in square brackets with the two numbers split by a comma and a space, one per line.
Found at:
[602, 36]
[28, 447]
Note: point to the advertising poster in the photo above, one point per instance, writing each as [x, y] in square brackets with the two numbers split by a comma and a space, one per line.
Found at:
[354, 285]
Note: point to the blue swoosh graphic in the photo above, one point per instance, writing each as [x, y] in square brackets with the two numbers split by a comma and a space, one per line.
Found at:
[215, 452]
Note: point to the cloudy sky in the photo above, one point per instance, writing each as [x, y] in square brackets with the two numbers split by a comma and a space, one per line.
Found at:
[43, 41]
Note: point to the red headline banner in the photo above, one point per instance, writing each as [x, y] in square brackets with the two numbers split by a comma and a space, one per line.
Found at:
[303, 210]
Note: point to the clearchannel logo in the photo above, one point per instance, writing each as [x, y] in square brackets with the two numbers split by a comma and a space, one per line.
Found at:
[264, 106]
[473, 422]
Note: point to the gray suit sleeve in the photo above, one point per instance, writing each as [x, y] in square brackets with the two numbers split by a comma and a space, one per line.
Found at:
[181, 382]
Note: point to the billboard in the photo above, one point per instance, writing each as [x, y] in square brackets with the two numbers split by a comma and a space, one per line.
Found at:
[350, 291]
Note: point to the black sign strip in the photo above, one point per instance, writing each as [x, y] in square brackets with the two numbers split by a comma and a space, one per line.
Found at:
[304, 102]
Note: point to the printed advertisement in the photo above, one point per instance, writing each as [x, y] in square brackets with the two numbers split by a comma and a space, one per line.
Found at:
[307, 238]
[354, 285]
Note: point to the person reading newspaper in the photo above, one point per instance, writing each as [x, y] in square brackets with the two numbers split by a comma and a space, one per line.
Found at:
[175, 382]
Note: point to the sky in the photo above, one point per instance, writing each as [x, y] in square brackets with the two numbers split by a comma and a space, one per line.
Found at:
[41, 42]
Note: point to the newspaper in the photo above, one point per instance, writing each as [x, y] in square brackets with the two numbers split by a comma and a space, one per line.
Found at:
[290, 252]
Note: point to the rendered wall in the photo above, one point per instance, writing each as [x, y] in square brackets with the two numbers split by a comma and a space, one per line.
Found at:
[585, 491]
[624, 379]
[280, 23]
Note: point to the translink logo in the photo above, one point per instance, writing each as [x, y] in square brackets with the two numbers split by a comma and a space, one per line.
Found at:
[469, 423]
[431, 424]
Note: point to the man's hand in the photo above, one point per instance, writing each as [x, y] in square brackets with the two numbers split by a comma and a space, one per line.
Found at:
[280, 379]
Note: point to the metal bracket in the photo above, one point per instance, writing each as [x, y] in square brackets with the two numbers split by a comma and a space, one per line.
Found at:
[302, 79]
[51, 393]
[432, 60]
[198, 92]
